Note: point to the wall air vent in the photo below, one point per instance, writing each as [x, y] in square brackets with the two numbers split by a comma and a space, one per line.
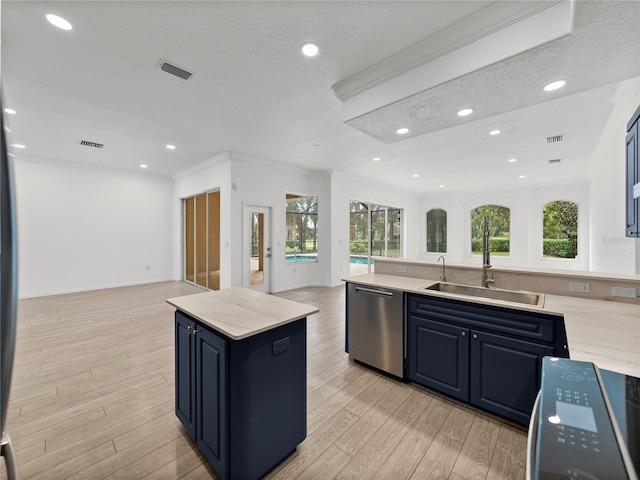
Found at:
[174, 70]
[87, 143]
[555, 139]
[554, 160]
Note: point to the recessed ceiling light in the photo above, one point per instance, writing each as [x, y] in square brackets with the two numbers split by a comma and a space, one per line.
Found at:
[142, 165]
[522, 176]
[402, 131]
[511, 160]
[465, 111]
[309, 49]
[17, 145]
[554, 85]
[59, 22]
[441, 186]
[376, 159]
[10, 111]
[171, 147]
[415, 175]
[494, 132]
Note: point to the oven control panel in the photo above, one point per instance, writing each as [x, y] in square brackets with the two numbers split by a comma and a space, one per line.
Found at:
[576, 439]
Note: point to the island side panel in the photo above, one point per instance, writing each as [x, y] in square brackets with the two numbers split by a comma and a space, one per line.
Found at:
[268, 398]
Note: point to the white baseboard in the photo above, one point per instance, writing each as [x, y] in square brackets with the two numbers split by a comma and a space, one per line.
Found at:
[89, 289]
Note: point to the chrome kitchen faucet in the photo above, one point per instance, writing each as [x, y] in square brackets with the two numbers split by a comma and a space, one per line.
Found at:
[486, 256]
[443, 276]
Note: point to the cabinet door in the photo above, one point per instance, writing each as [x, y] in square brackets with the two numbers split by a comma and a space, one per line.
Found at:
[438, 356]
[211, 399]
[185, 373]
[633, 179]
[505, 374]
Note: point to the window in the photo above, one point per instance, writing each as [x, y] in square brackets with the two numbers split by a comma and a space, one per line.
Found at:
[499, 229]
[385, 231]
[437, 231]
[560, 229]
[359, 229]
[302, 228]
[375, 231]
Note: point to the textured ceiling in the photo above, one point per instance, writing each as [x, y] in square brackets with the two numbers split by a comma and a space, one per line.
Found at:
[517, 82]
[254, 93]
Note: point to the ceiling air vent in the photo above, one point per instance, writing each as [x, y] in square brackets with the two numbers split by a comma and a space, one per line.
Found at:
[554, 160]
[174, 70]
[556, 139]
[87, 143]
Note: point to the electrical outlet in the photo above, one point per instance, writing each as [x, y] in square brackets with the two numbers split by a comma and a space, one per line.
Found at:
[402, 269]
[628, 292]
[579, 287]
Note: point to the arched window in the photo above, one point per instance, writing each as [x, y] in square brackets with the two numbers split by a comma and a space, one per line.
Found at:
[499, 229]
[437, 231]
[560, 229]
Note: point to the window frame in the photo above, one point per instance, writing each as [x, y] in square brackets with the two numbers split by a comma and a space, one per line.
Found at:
[471, 230]
[303, 256]
[576, 258]
[437, 209]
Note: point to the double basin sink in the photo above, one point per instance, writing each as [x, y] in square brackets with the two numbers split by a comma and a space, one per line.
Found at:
[515, 296]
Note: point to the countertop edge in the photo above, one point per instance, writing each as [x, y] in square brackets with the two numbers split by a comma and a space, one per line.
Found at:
[234, 328]
[405, 284]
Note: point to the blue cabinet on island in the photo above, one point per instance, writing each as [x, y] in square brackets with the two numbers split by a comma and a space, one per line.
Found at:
[241, 379]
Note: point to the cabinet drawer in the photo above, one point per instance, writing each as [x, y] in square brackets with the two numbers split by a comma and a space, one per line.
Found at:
[530, 325]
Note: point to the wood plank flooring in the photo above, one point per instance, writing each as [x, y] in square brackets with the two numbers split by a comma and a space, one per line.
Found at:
[93, 389]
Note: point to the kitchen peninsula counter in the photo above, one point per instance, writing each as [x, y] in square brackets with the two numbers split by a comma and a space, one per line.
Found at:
[603, 332]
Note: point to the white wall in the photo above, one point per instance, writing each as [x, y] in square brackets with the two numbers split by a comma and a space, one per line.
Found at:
[83, 228]
[526, 204]
[611, 251]
[265, 183]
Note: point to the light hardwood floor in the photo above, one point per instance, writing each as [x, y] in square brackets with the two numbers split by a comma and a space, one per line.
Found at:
[93, 388]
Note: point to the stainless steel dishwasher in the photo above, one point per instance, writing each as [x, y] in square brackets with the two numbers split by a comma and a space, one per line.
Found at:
[376, 327]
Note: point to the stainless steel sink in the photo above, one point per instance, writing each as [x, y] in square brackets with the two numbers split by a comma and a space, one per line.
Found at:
[515, 296]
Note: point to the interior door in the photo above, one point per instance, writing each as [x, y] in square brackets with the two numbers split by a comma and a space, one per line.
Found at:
[257, 238]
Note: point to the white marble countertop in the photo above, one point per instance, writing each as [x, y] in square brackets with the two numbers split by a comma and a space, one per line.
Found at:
[240, 313]
[602, 332]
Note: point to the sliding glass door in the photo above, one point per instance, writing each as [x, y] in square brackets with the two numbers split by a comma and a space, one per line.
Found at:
[202, 240]
[375, 231]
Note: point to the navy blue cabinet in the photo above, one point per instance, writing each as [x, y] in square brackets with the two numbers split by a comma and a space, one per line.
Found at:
[243, 402]
[211, 398]
[505, 374]
[487, 356]
[185, 373]
[439, 356]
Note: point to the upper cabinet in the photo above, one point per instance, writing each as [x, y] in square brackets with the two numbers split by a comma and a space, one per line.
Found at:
[633, 176]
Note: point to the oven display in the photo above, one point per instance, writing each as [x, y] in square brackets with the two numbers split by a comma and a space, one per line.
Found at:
[576, 416]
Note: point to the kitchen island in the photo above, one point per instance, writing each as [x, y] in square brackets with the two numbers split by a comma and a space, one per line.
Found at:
[241, 377]
[603, 332]
[488, 352]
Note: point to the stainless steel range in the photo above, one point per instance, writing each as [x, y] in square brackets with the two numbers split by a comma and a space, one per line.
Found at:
[585, 425]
